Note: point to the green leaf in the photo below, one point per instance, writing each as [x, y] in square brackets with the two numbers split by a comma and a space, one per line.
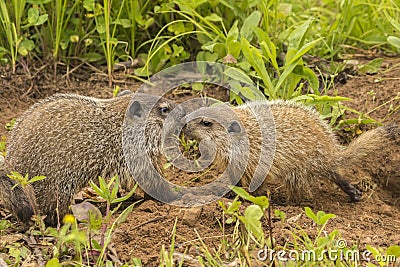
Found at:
[54, 262]
[289, 66]
[213, 17]
[255, 59]
[42, 19]
[198, 87]
[280, 214]
[249, 24]
[241, 192]
[36, 178]
[33, 15]
[393, 250]
[148, 23]
[234, 48]
[371, 67]
[125, 23]
[324, 218]
[309, 75]
[88, 5]
[233, 207]
[25, 46]
[394, 41]
[96, 188]
[238, 75]
[124, 215]
[233, 33]
[261, 201]
[100, 25]
[310, 214]
[253, 215]
[127, 196]
[297, 37]
[93, 57]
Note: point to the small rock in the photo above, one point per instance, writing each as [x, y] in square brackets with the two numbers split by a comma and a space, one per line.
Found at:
[2, 160]
[191, 216]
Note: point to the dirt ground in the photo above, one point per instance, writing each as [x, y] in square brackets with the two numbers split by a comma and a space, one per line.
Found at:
[375, 220]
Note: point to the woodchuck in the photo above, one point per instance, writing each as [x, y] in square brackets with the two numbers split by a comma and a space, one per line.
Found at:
[71, 139]
[287, 141]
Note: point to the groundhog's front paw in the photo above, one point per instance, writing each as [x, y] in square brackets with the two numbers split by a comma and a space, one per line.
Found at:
[355, 194]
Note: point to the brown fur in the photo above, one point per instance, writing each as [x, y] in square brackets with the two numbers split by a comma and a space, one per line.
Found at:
[306, 149]
[72, 139]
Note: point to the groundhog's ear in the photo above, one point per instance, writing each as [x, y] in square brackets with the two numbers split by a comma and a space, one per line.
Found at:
[136, 110]
[234, 127]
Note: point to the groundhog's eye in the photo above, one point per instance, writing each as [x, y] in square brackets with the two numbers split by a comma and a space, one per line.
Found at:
[206, 123]
[164, 110]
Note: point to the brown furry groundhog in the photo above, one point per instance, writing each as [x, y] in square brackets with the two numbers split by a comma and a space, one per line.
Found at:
[72, 139]
[288, 142]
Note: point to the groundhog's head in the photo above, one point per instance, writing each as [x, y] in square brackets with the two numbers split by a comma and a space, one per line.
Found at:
[152, 111]
[216, 126]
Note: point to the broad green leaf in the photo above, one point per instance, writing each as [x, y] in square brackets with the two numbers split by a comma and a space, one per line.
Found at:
[289, 66]
[54, 262]
[42, 19]
[253, 215]
[297, 36]
[234, 48]
[96, 189]
[371, 67]
[100, 25]
[310, 214]
[393, 250]
[148, 23]
[238, 75]
[309, 75]
[395, 41]
[33, 15]
[234, 207]
[88, 5]
[233, 33]
[213, 17]
[125, 23]
[280, 214]
[198, 87]
[324, 218]
[249, 24]
[241, 192]
[25, 46]
[93, 57]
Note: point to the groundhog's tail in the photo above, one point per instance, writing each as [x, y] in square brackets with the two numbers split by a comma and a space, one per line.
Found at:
[376, 153]
[15, 199]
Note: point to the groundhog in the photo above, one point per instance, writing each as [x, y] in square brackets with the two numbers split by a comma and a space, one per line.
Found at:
[287, 141]
[72, 139]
